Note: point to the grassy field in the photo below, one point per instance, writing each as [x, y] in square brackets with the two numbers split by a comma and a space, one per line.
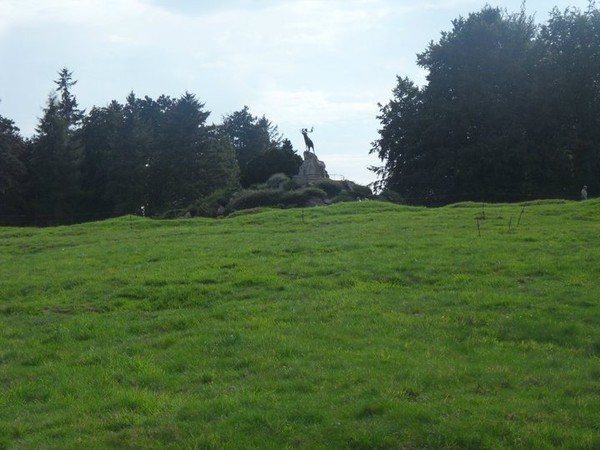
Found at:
[364, 325]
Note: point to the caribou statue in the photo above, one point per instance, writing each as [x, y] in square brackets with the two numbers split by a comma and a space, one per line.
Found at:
[307, 140]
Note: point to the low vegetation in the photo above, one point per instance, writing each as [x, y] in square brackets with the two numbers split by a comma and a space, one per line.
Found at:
[281, 191]
[355, 325]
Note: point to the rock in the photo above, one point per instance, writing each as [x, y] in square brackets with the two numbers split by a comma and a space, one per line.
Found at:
[312, 169]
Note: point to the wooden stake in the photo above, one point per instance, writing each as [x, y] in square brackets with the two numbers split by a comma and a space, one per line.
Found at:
[522, 210]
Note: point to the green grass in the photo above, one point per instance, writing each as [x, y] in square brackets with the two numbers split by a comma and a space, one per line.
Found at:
[361, 326]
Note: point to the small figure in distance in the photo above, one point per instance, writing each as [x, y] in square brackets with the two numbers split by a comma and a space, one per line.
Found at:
[584, 193]
[307, 141]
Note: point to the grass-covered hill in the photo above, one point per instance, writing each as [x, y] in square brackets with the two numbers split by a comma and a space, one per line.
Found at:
[356, 325]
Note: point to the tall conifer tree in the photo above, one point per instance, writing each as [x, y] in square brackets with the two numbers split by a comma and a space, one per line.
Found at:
[55, 156]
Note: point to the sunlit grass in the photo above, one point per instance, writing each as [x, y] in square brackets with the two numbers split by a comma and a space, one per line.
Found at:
[364, 325]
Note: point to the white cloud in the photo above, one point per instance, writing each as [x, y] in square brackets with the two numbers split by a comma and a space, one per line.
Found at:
[262, 40]
[36, 13]
[309, 106]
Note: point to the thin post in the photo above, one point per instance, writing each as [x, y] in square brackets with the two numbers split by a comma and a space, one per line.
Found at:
[522, 210]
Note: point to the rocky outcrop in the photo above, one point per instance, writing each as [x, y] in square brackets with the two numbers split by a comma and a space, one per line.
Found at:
[312, 169]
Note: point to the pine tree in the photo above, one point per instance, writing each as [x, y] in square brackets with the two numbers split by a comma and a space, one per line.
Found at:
[55, 155]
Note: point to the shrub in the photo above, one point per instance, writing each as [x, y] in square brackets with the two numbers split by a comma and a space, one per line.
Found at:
[359, 190]
[312, 192]
[352, 192]
[254, 198]
[279, 181]
[344, 196]
[332, 187]
[391, 196]
[303, 197]
[210, 205]
[271, 197]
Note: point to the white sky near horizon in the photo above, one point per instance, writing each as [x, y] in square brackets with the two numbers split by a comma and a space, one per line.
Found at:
[301, 63]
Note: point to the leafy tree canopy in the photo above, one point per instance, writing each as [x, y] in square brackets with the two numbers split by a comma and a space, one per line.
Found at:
[510, 111]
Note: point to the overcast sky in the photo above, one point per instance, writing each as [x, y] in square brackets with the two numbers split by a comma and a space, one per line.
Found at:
[301, 63]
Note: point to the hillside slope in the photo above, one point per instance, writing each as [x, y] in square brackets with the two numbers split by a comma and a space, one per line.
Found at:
[358, 325]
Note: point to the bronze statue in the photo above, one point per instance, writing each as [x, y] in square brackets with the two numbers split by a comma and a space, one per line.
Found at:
[307, 141]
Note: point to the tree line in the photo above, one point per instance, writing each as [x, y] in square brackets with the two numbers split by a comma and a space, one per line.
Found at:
[145, 156]
[510, 111]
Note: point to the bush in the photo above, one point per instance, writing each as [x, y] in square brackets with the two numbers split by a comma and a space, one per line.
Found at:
[254, 198]
[210, 205]
[312, 192]
[279, 181]
[359, 190]
[344, 196]
[276, 198]
[332, 187]
[303, 197]
[391, 196]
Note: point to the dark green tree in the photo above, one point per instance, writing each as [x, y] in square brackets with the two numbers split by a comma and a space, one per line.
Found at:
[219, 170]
[399, 143]
[569, 92]
[12, 173]
[250, 136]
[112, 167]
[188, 162]
[158, 155]
[494, 120]
[280, 159]
[479, 79]
[67, 103]
[121, 148]
[54, 158]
